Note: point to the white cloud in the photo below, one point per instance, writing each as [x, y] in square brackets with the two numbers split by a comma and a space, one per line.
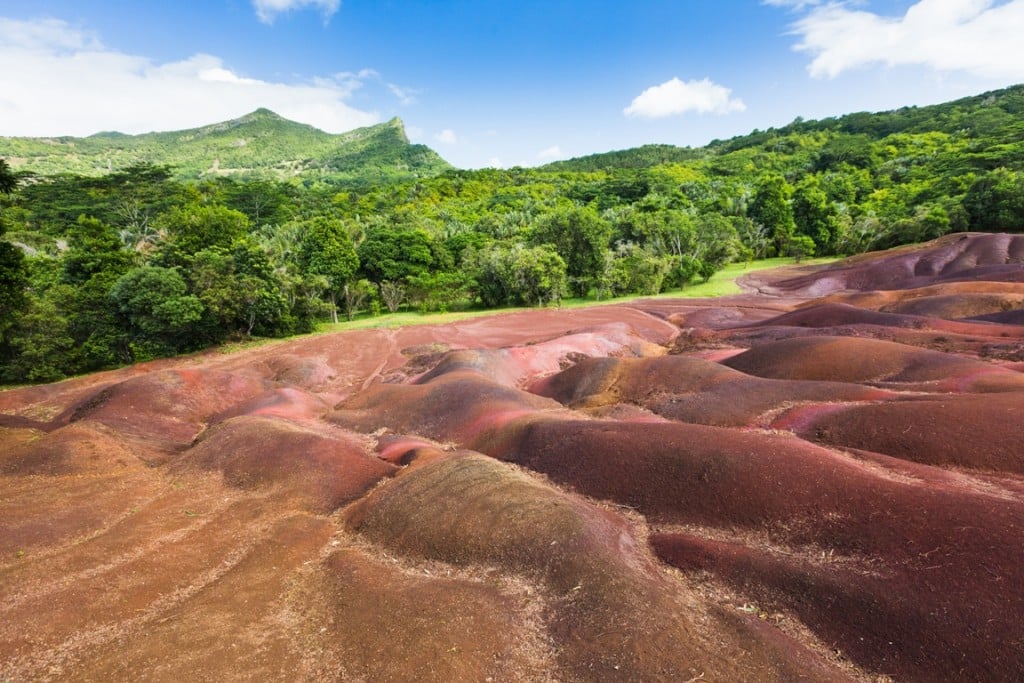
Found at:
[59, 80]
[267, 10]
[494, 162]
[678, 97]
[550, 154]
[49, 34]
[406, 96]
[447, 137]
[979, 37]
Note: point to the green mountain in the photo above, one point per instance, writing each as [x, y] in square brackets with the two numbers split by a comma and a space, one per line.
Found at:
[992, 116]
[257, 145]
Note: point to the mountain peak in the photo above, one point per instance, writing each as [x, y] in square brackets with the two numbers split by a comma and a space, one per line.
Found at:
[261, 114]
[398, 125]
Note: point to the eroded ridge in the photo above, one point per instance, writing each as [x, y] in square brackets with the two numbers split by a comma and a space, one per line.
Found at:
[818, 480]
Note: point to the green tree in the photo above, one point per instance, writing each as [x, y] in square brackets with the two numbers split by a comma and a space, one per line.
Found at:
[40, 346]
[354, 296]
[581, 237]
[94, 248]
[667, 232]
[95, 259]
[815, 216]
[13, 272]
[852, 150]
[134, 197]
[770, 207]
[8, 181]
[800, 247]
[193, 227]
[264, 202]
[507, 274]
[159, 314]
[433, 291]
[995, 202]
[239, 291]
[326, 251]
[395, 253]
[636, 270]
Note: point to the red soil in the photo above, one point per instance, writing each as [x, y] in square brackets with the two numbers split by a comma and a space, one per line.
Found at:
[819, 479]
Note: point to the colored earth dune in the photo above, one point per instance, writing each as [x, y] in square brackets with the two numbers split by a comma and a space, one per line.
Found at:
[821, 479]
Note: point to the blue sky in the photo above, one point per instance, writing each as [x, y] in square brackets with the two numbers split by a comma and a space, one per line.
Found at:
[496, 82]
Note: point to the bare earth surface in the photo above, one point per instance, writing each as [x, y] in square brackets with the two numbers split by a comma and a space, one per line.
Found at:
[819, 480]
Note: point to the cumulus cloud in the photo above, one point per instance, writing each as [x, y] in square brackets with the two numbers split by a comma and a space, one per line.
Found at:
[267, 10]
[60, 80]
[447, 137]
[979, 37]
[675, 97]
[550, 154]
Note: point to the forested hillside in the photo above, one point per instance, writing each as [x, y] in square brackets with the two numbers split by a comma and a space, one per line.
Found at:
[147, 260]
[260, 145]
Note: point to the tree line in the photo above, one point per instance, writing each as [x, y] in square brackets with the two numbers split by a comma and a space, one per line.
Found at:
[101, 271]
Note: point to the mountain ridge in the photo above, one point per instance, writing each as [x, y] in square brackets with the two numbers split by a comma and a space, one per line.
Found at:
[260, 144]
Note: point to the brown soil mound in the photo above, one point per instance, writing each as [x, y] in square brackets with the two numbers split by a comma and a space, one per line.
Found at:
[1008, 291]
[873, 611]
[1004, 318]
[875, 362]
[324, 467]
[978, 432]
[447, 629]
[816, 506]
[79, 448]
[836, 318]
[689, 389]
[587, 560]
[952, 258]
[287, 403]
[170, 406]
[452, 407]
[953, 306]
[818, 479]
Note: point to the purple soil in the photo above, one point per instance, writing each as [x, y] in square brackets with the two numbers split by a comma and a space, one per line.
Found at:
[872, 361]
[919, 539]
[976, 432]
[964, 257]
[960, 305]
[847, 316]
[690, 389]
[913, 623]
[1003, 318]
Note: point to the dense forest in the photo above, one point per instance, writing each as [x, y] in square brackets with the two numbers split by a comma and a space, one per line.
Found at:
[106, 266]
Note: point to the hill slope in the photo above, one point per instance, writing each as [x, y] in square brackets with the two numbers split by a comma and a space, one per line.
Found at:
[991, 115]
[260, 144]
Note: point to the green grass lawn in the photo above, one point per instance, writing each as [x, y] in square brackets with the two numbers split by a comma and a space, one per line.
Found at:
[722, 283]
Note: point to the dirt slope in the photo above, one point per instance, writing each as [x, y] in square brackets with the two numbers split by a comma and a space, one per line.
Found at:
[819, 480]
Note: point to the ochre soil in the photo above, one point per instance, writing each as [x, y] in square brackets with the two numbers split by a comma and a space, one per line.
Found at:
[821, 479]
